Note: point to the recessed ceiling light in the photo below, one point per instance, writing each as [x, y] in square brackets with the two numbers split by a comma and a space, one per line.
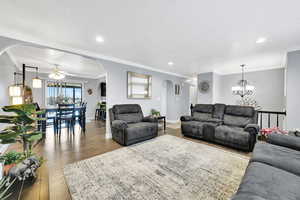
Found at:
[261, 40]
[170, 63]
[99, 39]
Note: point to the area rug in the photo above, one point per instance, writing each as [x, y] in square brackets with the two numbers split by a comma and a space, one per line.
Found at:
[164, 168]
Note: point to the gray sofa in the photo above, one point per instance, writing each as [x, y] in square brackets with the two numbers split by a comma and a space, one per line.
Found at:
[234, 126]
[273, 172]
[129, 126]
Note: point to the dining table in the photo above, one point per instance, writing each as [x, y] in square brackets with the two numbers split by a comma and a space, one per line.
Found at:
[54, 110]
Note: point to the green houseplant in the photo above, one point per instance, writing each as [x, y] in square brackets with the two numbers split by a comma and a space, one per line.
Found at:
[22, 126]
[10, 159]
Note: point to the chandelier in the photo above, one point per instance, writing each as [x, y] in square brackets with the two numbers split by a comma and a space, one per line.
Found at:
[243, 88]
[57, 74]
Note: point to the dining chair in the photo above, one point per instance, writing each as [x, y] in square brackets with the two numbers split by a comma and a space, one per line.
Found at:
[82, 117]
[65, 115]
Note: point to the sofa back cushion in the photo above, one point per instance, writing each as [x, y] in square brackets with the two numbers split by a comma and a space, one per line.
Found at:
[202, 111]
[219, 110]
[239, 115]
[131, 113]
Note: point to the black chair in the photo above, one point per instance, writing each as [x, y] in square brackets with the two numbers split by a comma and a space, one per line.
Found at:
[82, 117]
[65, 115]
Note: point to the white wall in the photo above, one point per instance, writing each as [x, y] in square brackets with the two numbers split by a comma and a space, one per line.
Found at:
[293, 90]
[6, 78]
[117, 90]
[269, 88]
[207, 97]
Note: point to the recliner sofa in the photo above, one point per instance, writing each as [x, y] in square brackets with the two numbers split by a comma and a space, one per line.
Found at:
[273, 172]
[129, 126]
[230, 125]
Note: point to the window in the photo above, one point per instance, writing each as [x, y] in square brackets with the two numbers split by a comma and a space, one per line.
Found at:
[62, 92]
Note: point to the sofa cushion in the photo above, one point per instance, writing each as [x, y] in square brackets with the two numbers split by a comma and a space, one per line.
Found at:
[130, 118]
[239, 121]
[202, 116]
[204, 108]
[139, 130]
[264, 182]
[245, 111]
[280, 157]
[219, 110]
[193, 128]
[232, 135]
[127, 108]
[130, 113]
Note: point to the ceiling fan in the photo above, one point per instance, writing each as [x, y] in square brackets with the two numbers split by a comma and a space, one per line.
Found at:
[58, 74]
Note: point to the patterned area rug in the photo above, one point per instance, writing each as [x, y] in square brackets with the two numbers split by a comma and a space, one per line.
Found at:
[164, 168]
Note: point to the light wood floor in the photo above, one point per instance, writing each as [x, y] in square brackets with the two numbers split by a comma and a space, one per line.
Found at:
[68, 149]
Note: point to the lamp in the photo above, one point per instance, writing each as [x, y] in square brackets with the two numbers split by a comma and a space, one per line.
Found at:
[36, 82]
[243, 88]
[15, 89]
[17, 100]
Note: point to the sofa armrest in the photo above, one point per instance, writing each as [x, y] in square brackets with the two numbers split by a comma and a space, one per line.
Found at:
[253, 130]
[186, 118]
[119, 124]
[150, 119]
[288, 141]
[252, 127]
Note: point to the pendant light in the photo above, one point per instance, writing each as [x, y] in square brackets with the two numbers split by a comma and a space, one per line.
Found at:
[36, 82]
[243, 87]
[15, 90]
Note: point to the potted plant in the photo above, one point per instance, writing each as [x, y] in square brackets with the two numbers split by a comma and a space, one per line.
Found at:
[22, 126]
[155, 113]
[10, 159]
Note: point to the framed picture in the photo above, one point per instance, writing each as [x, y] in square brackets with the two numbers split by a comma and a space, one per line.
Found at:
[139, 86]
[177, 89]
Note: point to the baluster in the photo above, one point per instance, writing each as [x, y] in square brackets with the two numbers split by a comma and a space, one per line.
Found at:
[269, 125]
[277, 120]
[261, 120]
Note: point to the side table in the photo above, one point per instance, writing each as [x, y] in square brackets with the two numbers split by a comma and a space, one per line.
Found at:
[164, 120]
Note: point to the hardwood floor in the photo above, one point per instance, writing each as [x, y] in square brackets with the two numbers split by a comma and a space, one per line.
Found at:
[59, 151]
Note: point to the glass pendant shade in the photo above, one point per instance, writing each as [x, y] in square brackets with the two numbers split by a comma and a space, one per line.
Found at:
[15, 91]
[36, 83]
[17, 100]
[243, 88]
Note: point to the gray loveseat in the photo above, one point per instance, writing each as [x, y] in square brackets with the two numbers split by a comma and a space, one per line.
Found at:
[234, 126]
[129, 126]
[273, 172]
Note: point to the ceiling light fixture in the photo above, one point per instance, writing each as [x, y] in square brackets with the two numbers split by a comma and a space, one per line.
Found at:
[36, 82]
[57, 74]
[99, 39]
[170, 63]
[243, 87]
[261, 40]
